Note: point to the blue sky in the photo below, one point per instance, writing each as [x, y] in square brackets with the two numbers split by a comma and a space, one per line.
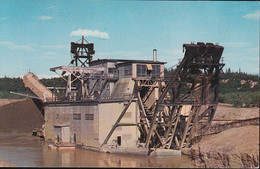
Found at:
[36, 35]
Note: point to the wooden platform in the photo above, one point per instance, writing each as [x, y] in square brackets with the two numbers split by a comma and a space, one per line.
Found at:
[65, 146]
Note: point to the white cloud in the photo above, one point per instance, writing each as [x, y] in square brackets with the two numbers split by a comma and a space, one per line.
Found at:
[254, 15]
[235, 44]
[50, 7]
[3, 18]
[11, 45]
[43, 18]
[90, 33]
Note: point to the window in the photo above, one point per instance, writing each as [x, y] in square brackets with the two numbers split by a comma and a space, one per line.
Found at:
[156, 71]
[111, 70]
[148, 70]
[89, 116]
[128, 70]
[141, 71]
[76, 116]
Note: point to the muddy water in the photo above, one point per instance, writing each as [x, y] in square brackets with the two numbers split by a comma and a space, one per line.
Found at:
[29, 151]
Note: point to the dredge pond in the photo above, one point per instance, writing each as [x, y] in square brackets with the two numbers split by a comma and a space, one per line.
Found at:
[25, 150]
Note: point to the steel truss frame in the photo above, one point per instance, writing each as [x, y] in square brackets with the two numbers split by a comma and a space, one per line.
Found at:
[196, 83]
[79, 76]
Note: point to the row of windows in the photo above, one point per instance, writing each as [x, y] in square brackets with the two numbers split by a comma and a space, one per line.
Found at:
[148, 71]
[77, 116]
[66, 116]
[144, 70]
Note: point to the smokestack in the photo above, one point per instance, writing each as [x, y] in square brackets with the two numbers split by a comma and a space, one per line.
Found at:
[155, 55]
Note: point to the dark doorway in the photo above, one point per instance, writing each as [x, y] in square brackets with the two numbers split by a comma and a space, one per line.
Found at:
[75, 139]
[119, 140]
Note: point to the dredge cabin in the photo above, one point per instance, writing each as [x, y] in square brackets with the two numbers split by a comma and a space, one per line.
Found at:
[95, 98]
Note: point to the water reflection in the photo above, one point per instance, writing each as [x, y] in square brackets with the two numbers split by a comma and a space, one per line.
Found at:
[29, 151]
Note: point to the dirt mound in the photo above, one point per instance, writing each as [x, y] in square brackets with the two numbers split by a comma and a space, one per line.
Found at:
[20, 117]
[225, 111]
[231, 141]
[235, 148]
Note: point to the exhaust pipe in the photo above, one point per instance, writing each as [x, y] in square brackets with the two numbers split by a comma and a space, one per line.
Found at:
[155, 55]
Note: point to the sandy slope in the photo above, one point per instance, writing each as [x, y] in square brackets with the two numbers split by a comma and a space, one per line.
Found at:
[20, 116]
[236, 147]
[226, 111]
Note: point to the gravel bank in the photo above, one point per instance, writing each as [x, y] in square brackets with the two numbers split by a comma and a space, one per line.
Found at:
[20, 117]
[232, 148]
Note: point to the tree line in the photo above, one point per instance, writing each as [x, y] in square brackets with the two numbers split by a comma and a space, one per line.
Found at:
[237, 88]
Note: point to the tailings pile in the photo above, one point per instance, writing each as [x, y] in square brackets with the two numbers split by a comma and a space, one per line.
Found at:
[231, 142]
[20, 117]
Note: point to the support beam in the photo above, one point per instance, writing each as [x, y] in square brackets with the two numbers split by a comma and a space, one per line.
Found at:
[160, 138]
[116, 123]
[162, 96]
[169, 125]
[187, 127]
[174, 129]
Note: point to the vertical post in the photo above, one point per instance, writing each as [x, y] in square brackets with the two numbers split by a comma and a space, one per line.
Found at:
[82, 87]
[82, 46]
[187, 126]
[68, 89]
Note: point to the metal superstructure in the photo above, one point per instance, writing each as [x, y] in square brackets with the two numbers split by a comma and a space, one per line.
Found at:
[162, 114]
[196, 83]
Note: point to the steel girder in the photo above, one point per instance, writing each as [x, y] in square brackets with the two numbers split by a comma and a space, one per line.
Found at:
[195, 83]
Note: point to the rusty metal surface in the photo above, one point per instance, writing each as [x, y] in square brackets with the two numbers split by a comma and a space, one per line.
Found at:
[195, 82]
[82, 53]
